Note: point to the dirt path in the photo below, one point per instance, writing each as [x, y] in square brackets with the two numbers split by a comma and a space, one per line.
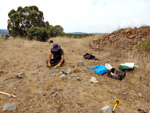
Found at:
[42, 90]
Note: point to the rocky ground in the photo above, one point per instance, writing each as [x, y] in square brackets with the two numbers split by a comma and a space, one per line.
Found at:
[123, 39]
[23, 73]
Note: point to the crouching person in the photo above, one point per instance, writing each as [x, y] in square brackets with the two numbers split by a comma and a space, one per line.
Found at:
[58, 56]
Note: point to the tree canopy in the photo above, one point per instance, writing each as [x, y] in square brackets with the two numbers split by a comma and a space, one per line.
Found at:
[22, 19]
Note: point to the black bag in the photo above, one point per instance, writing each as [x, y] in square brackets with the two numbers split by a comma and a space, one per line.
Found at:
[116, 74]
[89, 56]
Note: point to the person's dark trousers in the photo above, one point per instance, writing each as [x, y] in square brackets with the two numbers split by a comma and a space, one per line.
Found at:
[54, 62]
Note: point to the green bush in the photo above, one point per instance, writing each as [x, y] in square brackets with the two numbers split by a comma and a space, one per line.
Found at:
[37, 33]
[144, 46]
[57, 30]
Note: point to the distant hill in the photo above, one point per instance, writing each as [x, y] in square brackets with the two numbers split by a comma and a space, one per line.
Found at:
[3, 31]
[81, 33]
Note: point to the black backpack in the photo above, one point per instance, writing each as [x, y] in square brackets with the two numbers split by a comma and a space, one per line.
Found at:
[89, 56]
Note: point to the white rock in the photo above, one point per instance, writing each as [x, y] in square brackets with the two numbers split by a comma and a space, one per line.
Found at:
[69, 71]
[93, 80]
[63, 76]
[106, 109]
[140, 95]
[78, 78]
[20, 75]
[53, 74]
[80, 63]
[41, 82]
[9, 107]
[72, 75]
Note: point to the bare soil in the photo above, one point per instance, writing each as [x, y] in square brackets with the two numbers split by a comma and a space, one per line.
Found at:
[72, 96]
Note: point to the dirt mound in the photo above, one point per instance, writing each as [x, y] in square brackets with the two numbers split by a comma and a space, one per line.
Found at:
[124, 39]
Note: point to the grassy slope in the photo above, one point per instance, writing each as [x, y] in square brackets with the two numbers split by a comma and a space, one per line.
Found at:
[18, 55]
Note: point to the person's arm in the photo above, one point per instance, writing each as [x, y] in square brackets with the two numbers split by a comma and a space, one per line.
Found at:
[50, 56]
[62, 59]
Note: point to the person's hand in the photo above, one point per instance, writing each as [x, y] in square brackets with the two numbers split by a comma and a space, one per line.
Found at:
[58, 65]
[48, 64]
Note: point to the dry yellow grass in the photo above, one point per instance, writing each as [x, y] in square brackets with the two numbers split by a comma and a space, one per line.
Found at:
[20, 55]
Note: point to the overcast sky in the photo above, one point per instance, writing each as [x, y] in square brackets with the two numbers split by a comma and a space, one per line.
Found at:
[100, 16]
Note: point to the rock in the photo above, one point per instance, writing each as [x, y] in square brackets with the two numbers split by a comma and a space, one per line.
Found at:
[40, 91]
[53, 74]
[10, 96]
[78, 78]
[140, 95]
[1, 72]
[93, 80]
[125, 93]
[116, 60]
[142, 110]
[38, 79]
[44, 94]
[54, 94]
[20, 75]
[80, 63]
[69, 71]
[114, 97]
[63, 76]
[77, 98]
[106, 109]
[25, 108]
[70, 91]
[34, 62]
[131, 56]
[127, 30]
[72, 75]
[54, 88]
[6, 81]
[122, 88]
[9, 107]
[65, 84]
[41, 82]
[77, 71]
[39, 65]
[56, 70]
[142, 40]
[71, 65]
[63, 72]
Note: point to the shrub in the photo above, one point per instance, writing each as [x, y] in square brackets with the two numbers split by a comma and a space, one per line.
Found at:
[117, 53]
[37, 33]
[144, 46]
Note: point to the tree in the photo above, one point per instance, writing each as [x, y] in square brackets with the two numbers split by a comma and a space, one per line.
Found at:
[38, 33]
[56, 31]
[24, 18]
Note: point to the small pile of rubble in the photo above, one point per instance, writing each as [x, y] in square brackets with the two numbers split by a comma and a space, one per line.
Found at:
[123, 39]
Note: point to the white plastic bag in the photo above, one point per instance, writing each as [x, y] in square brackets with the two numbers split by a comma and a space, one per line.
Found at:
[108, 66]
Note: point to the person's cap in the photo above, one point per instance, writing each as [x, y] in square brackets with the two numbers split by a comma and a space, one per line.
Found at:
[55, 48]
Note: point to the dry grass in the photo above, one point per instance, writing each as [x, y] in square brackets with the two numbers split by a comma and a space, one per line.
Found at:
[143, 47]
[20, 55]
